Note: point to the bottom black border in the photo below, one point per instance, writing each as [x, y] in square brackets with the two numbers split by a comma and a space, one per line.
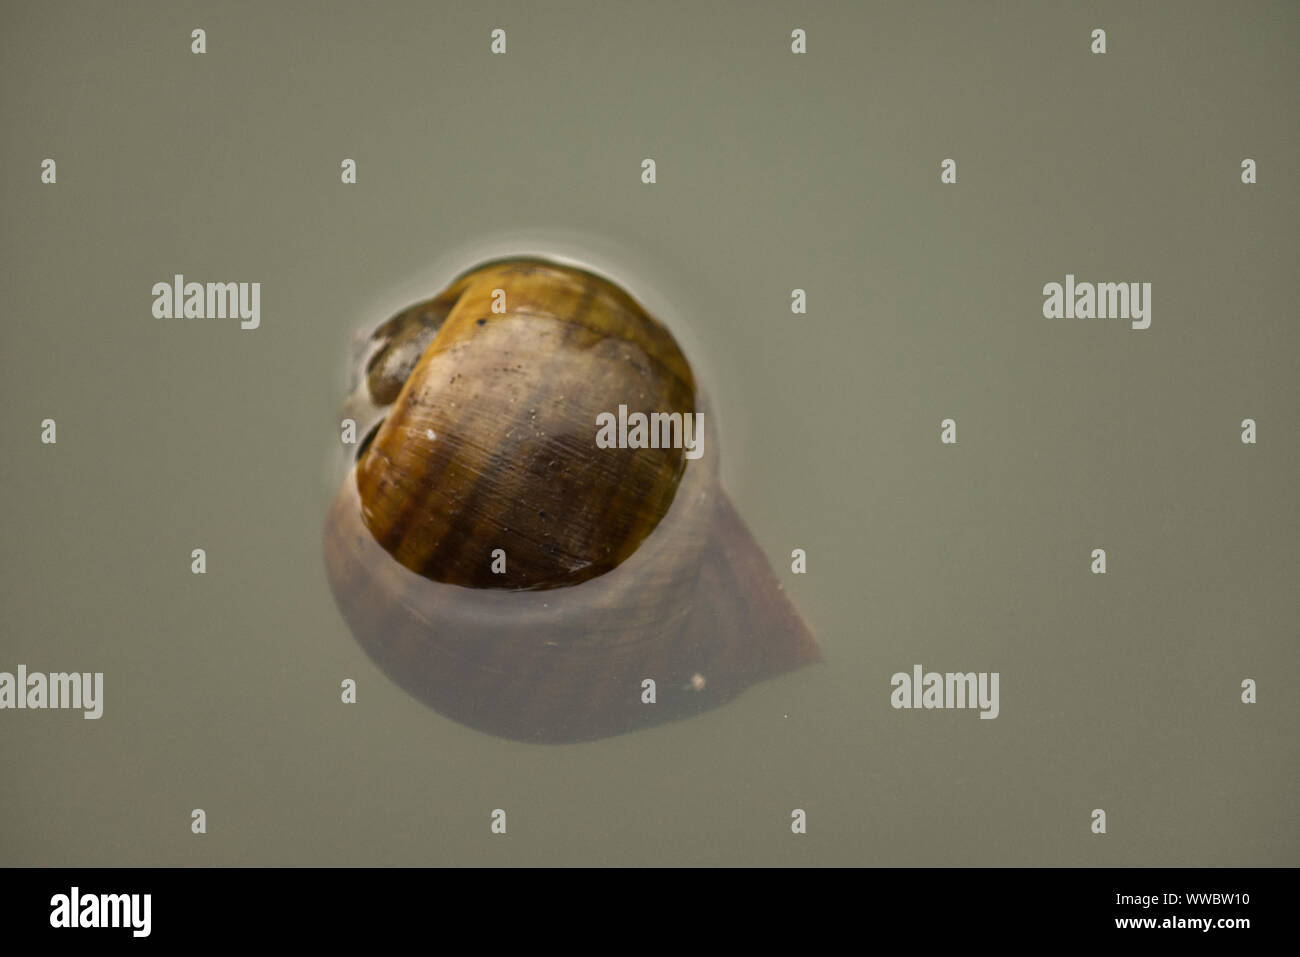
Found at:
[925, 905]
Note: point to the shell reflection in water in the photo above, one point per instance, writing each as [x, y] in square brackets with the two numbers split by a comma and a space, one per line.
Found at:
[508, 572]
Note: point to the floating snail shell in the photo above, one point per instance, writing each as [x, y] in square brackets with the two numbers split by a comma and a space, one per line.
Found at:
[504, 569]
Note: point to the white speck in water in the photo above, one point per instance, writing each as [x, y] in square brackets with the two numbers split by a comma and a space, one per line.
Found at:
[698, 682]
[429, 433]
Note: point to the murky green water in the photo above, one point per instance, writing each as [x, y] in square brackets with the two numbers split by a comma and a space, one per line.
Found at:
[774, 172]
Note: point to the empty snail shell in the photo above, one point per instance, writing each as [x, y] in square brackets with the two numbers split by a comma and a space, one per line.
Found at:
[499, 564]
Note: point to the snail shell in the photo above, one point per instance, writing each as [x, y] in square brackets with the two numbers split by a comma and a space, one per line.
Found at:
[620, 564]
